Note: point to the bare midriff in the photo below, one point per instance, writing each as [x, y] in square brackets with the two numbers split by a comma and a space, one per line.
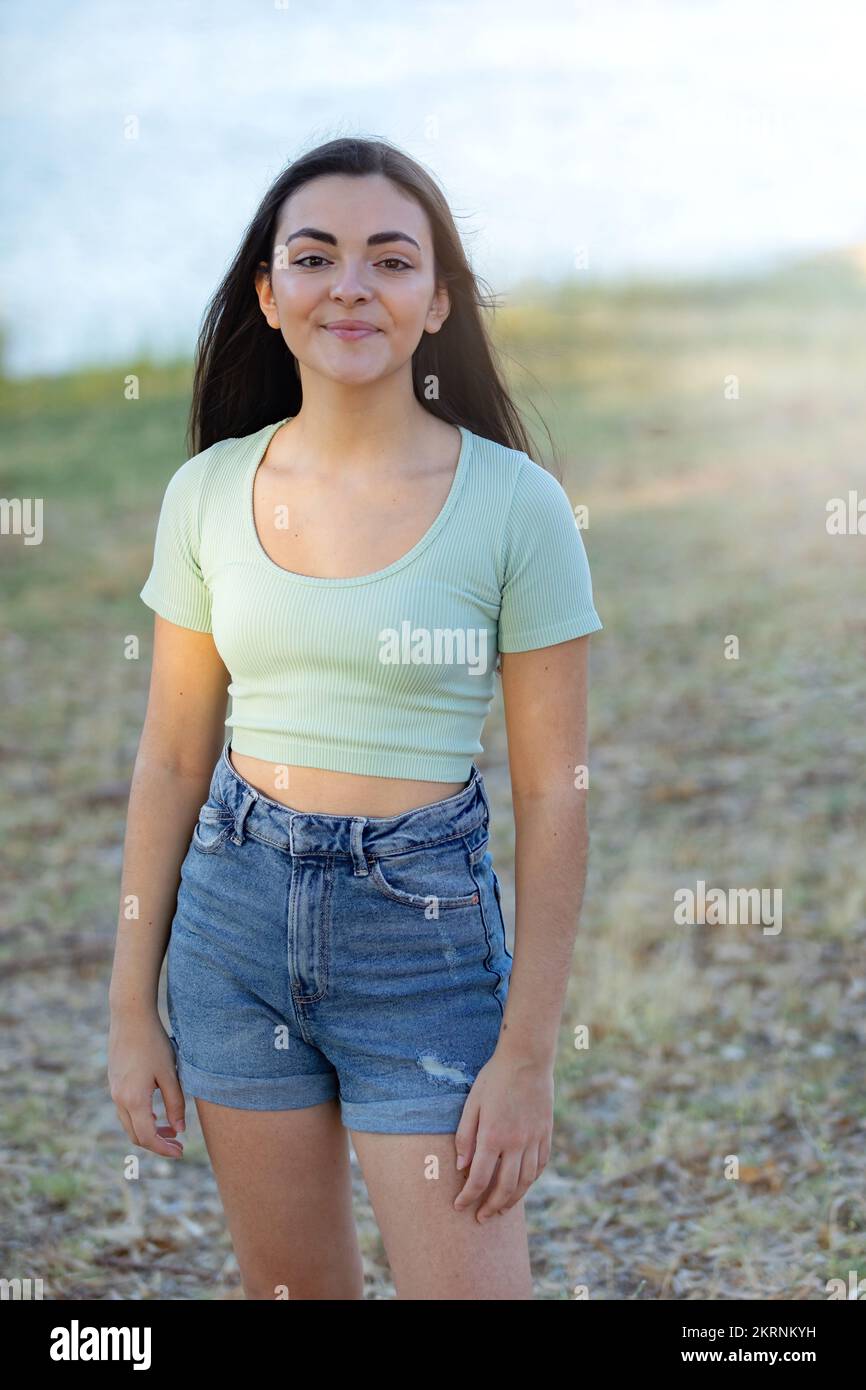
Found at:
[316, 790]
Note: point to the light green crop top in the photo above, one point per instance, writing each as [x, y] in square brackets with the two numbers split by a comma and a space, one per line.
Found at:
[390, 674]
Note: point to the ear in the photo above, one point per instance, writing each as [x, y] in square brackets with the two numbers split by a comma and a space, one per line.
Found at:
[265, 293]
[440, 308]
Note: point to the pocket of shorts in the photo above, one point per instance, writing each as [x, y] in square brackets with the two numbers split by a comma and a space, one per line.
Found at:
[440, 874]
[212, 828]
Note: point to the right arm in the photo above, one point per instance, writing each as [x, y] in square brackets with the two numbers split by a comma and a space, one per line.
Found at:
[182, 737]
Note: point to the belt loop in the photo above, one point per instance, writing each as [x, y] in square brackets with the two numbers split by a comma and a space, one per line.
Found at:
[482, 790]
[240, 818]
[356, 845]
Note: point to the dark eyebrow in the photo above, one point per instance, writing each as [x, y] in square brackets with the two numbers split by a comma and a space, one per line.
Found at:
[376, 239]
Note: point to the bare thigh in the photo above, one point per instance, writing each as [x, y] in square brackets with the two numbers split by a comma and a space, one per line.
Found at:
[285, 1182]
[434, 1251]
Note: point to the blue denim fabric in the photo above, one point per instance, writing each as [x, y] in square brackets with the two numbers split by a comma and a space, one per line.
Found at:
[320, 956]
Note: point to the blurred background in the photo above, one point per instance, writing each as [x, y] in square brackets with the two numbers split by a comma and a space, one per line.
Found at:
[664, 197]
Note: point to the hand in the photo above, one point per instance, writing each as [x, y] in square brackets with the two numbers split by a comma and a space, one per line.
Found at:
[507, 1118]
[140, 1058]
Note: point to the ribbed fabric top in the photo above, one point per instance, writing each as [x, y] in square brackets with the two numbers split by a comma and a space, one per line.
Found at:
[390, 674]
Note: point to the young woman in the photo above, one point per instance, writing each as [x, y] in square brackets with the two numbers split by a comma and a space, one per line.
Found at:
[358, 533]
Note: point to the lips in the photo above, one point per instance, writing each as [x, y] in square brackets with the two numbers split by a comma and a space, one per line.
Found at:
[350, 329]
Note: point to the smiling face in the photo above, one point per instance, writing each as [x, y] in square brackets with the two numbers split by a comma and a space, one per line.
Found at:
[352, 248]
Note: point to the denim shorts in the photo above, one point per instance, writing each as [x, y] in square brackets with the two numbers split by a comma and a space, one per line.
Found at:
[317, 956]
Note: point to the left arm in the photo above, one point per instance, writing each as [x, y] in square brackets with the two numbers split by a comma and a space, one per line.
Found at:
[546, 720]
[508, 1117]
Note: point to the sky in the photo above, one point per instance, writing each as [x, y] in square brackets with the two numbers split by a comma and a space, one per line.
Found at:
[602, 140]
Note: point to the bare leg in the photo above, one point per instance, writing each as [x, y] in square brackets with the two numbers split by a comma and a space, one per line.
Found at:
[285, 1182]
[434, 1251]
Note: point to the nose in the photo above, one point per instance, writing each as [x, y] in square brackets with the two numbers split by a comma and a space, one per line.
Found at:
[349, 285]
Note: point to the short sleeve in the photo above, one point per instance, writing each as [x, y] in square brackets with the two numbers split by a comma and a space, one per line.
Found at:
[546, 594]
[175, 587]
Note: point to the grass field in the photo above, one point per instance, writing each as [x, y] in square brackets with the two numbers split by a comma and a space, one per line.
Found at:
[705, 427]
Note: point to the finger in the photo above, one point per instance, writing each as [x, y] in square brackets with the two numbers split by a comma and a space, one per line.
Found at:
[506, 1181]
[144, 1120]
[529, 1171]
[172, 1096]
[478, 1180]
[169, 1134]
[126, 1121]
[467, 1132]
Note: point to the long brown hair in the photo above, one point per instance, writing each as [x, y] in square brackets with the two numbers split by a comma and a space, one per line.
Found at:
[245, 375]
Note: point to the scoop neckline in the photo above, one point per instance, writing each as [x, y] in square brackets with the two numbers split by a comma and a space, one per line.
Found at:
[323, 581]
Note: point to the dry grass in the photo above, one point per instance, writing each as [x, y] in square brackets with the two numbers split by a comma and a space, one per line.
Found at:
[706, 1042]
